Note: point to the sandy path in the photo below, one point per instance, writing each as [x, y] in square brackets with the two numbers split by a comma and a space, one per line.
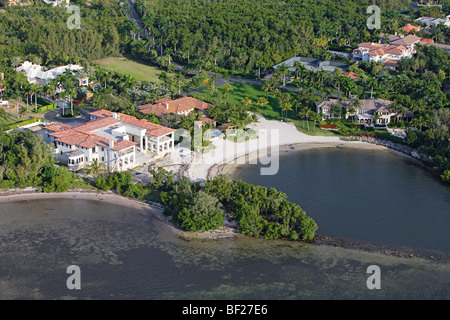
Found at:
[274, 136]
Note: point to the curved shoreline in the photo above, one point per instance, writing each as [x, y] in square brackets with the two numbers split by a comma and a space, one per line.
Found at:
[229, 166]
[155, 209]
[226, 232]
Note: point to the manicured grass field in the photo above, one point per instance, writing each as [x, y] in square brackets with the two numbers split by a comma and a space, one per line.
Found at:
[270, 111]
[139, 71]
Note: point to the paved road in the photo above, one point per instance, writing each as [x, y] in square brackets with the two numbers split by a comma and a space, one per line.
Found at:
[414, 5]
[132, 14]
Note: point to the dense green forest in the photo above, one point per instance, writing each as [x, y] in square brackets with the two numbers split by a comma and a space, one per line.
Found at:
[245, 35]
[40, 32]
[27, 161]
[258, 211]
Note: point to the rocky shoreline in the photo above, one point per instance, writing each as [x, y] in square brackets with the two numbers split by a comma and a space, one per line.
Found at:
[380, 248]
[411, 152]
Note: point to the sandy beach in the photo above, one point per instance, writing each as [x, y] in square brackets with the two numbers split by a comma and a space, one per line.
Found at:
[273, 137]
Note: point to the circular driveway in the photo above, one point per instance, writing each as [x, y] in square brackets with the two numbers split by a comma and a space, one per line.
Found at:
[52, 116]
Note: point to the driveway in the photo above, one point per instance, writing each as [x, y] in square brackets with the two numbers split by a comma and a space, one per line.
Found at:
[52, 116]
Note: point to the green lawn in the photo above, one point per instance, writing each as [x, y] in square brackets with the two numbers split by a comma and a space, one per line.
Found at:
[270, 111]
[139, 71]
[12, 120]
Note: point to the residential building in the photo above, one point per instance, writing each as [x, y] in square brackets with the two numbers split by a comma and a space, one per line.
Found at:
[18, 2]
[116, 140]
[55, 3]
[181, 106]
[313, 64]
[409, 28]
[36, 74]
[433, 22]
[390, 53]
[368, 112]
[351, 75]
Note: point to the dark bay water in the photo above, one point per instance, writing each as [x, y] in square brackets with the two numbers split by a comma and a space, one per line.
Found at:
[367, 195]
[125, 253]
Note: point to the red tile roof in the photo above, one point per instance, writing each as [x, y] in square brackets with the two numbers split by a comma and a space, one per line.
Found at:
[96, 124]
[391, 63]
[101, 113]
[152, 128]
[165, 106]
[123, 144]
[409, 27]
[57, 127]
[209, 120]
[351, 75]
[81, 135]
[425, 40]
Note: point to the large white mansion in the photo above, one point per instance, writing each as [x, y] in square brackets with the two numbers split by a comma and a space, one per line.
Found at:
[114, 139]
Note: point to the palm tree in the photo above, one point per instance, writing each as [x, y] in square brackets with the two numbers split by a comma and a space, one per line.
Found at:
[283, 71]
[27, 91]
[376, 116]
[246, 102]
[71, 91]
[262, 101]
[95, 168]
[302, 114]
[34, 90]
[316, 117]
[3, 114]
[352, 111]
[180, 78]
[284, 102]
[266, 86]
[299, 69]
[419, 122]
[309, 114]
[321, 75]
[15, 61]
[226, 89]
[336, 110]
[287, 106]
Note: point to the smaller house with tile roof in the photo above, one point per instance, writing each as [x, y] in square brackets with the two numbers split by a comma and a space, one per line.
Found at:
[351, 75]
[181, 106]
[408, 28]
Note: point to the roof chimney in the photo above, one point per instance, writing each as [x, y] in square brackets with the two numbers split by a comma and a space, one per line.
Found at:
[114, 115]
[166, 105]
[111, 143]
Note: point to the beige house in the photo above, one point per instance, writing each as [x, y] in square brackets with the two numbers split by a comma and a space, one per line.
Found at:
[369, 111]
